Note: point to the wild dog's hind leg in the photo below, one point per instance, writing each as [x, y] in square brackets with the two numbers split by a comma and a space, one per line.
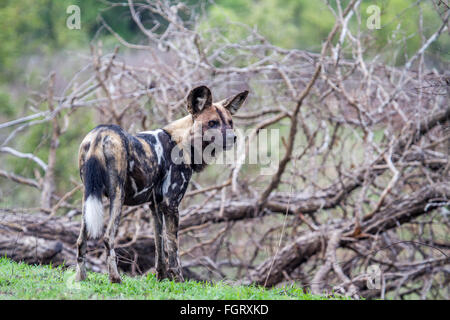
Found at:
[172, 219]
[116, 200]
[81, 250]
[116, 166]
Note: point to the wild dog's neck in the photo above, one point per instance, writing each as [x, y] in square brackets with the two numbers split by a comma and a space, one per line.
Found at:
[180, 130]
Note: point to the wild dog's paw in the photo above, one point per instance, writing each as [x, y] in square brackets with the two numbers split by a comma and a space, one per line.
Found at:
[80, 273]
[115, 278]
[175, 275]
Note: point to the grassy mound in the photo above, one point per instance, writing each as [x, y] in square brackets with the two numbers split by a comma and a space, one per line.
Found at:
[23, 281]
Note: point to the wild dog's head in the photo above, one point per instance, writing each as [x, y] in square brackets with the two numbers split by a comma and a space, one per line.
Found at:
[212, 127]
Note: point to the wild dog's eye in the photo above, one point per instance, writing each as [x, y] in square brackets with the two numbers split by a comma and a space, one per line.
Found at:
[213, 123]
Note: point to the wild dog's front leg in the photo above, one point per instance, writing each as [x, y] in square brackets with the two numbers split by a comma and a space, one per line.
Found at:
[160, 262]
[172, 219]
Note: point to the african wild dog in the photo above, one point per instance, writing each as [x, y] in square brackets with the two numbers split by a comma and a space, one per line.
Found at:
[136, 169]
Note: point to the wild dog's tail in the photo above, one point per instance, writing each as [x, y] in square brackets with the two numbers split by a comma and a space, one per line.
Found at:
[94, 184]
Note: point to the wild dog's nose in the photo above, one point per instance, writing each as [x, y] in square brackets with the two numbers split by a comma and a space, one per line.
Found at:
[230, 139]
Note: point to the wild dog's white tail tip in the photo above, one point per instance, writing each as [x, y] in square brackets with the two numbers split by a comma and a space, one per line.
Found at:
[93, 216]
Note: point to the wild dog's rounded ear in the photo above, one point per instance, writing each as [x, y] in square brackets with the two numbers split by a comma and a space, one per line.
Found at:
[198, 99]
[234, 103]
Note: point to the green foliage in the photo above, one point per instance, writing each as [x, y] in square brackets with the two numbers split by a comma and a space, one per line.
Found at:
[32, 29]
[286, 23]
[6, 107]
[400, 31]
[40, 28]
[22, 281]
[306, 24]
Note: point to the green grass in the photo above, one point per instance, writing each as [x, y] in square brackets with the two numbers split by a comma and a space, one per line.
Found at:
[23, 281]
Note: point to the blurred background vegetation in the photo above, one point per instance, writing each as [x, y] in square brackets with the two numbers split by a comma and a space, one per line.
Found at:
[35, 40]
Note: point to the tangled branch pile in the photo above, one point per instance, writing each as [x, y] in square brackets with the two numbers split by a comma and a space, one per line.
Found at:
[362, 180]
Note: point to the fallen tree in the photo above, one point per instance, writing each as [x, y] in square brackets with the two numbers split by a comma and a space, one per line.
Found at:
[290, 257]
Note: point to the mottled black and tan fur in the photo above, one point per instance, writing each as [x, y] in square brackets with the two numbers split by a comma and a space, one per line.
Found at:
[136, 169]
